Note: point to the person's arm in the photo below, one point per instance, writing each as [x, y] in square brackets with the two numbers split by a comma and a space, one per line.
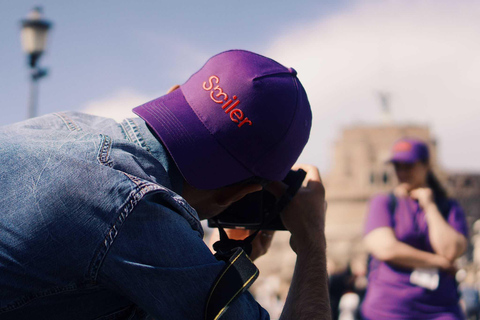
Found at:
[384, 246]
[445, 240]
[159, 262]
[305, 219]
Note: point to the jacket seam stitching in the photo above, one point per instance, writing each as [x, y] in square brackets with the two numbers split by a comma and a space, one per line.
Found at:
[134, 134]
[103, 155]
[71, 125]
[133, 199]
[126, 130]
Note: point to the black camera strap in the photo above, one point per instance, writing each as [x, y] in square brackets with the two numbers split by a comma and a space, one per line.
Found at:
[240, 272]
[225, 245]
[238, 275]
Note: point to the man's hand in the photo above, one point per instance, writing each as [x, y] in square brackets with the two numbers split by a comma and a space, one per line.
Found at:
[304, 217]
[261, 243]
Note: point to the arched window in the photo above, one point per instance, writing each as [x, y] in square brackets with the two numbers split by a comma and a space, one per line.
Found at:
[385, 178]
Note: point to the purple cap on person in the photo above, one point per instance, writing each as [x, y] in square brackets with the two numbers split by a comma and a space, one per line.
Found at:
[241, 115]
[409, 150]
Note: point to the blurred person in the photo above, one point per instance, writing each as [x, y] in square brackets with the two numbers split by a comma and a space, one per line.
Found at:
[350, 282]
[339, 283]
[414, 236]
[359, 271]
[348, 306]
[469, 296]
[267, 293]
[101, 220]
[360, 281]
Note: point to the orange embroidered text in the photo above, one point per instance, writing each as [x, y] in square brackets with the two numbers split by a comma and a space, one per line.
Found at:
[229, 105]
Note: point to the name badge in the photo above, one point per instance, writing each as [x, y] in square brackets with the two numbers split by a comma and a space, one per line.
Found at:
[425, 277]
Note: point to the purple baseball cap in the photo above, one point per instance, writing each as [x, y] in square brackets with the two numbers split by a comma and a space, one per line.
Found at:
[241, 115]
[409, 150]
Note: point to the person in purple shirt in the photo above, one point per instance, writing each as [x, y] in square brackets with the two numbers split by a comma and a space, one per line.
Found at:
[414, 236]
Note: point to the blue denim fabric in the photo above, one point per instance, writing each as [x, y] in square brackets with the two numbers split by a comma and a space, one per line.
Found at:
[92, 226]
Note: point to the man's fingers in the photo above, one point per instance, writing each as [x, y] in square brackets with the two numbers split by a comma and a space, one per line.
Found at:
[267, 234]
[312, 173]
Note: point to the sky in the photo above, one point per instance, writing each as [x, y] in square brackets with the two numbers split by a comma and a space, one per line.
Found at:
[106, 57]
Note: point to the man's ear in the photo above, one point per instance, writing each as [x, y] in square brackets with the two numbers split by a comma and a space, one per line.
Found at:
[234, 193]
[175, 87]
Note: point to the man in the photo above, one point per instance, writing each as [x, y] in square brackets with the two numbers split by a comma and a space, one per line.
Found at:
[101, 220]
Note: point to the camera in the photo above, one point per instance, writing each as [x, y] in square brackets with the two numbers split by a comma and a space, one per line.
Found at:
[261, 210]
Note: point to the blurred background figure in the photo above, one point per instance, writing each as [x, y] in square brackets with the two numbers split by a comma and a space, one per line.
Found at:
[339, 283]
[414, 235]
[348, 306]
[347, 286]
[468, 288]
[267, 294]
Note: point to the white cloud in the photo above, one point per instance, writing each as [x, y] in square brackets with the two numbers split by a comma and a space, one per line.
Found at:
[118, 105]
[425, 53]
[188, 56]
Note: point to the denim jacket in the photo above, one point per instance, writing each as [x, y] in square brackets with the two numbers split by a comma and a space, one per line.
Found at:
[92, 226]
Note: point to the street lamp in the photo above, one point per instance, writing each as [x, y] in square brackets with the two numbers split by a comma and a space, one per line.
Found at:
[34, 39]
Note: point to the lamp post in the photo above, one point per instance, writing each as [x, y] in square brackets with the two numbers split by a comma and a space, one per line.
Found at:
[34, 39]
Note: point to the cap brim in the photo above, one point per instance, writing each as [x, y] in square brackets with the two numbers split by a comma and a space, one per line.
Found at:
[203, 162]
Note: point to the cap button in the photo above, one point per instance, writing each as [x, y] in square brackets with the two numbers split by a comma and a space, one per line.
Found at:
[292, 71]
